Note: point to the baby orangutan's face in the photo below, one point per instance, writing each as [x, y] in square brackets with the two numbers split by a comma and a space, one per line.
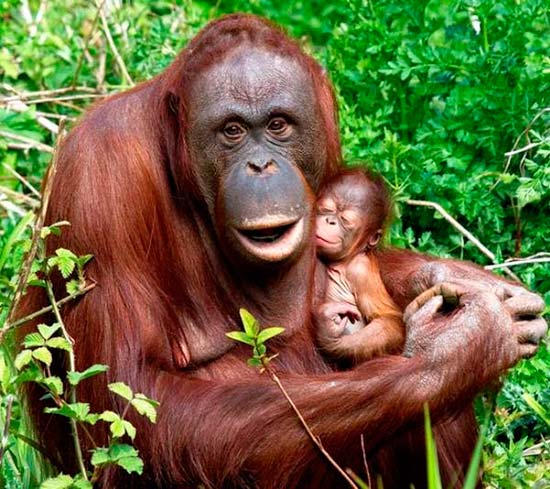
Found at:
[337, 228]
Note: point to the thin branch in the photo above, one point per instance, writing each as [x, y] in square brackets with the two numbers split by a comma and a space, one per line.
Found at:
[310, 433]
[22, 179]
[86, 44]
[526, 148]
[114, 49]
[19, 106]
[61, 98]
[47, 309]
[515, 263]
[365, 462]
[511, 153]
[27, 199]
[42, 93]
[37, 229]
[10, 206]
[460, 228]
[31, 142]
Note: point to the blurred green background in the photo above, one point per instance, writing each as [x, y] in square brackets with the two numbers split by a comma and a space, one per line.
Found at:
[450, 100]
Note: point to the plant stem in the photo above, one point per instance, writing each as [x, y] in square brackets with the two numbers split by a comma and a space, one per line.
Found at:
[47, 309]
[72, 368]
[310, 433]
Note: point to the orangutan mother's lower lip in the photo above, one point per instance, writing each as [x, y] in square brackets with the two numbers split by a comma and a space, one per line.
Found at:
[273, 243]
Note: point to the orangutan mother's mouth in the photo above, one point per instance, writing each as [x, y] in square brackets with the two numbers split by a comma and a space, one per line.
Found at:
[271, 241]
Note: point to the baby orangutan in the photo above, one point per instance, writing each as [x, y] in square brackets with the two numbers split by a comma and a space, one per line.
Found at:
[358, 319]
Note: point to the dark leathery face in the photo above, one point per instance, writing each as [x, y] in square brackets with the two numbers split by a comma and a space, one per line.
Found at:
[257, 138]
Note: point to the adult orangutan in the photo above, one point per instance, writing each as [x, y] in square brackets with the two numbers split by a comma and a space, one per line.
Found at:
[193, 191]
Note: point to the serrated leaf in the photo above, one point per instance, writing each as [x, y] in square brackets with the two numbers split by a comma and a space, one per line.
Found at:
[92, 418]
[33, 340]
[122, 390]
[77, 410]
[22, 359]
[82, 484]
[59, 343]
[268, 333]
[54, 384]
[60, 482]
[47, 331]
[43, 354]
[100, 456]
[117, 428]
[251, 326]
[109, 416]
[82, 260]
[76, 377]
[72, 286]
[131, 464]
[145, 408]
[240, 336]
[120, 450]
[129, 428]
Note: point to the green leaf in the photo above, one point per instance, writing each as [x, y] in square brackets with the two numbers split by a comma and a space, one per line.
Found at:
[250, 324]
[48, 331]
[131, 464]
[254, 362]
[82, 260]
[33, 340]
[240, 336]
[72, 286]
[77, 410]
[64, 260]
[268, 333]
[122, 390]
[54, 384]
[121, 454]
[129, 428]
[22, 359]
[121, 450]
[109, 416]
[121, 427]
[76, 377]
[537, 407]
[145, 408]
[100, 456]
[59, 343]
[43, 354]
[60, 482]
[82, 483]
[434, 477]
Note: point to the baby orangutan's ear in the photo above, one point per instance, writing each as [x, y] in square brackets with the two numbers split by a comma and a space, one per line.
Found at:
[374, 239]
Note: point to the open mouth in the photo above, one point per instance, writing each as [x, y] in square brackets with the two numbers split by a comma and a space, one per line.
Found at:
[271, 241]
[266, 235]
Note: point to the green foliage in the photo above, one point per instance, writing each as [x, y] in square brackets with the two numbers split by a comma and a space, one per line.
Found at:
[432, 95]
[256, 337]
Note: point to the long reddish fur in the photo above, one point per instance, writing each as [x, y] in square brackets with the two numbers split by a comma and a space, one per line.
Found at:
[127, 185]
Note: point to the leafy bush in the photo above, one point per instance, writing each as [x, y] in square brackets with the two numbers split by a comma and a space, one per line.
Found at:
[432, 93]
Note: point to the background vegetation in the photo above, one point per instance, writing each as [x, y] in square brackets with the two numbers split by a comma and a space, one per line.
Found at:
[450, 100]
